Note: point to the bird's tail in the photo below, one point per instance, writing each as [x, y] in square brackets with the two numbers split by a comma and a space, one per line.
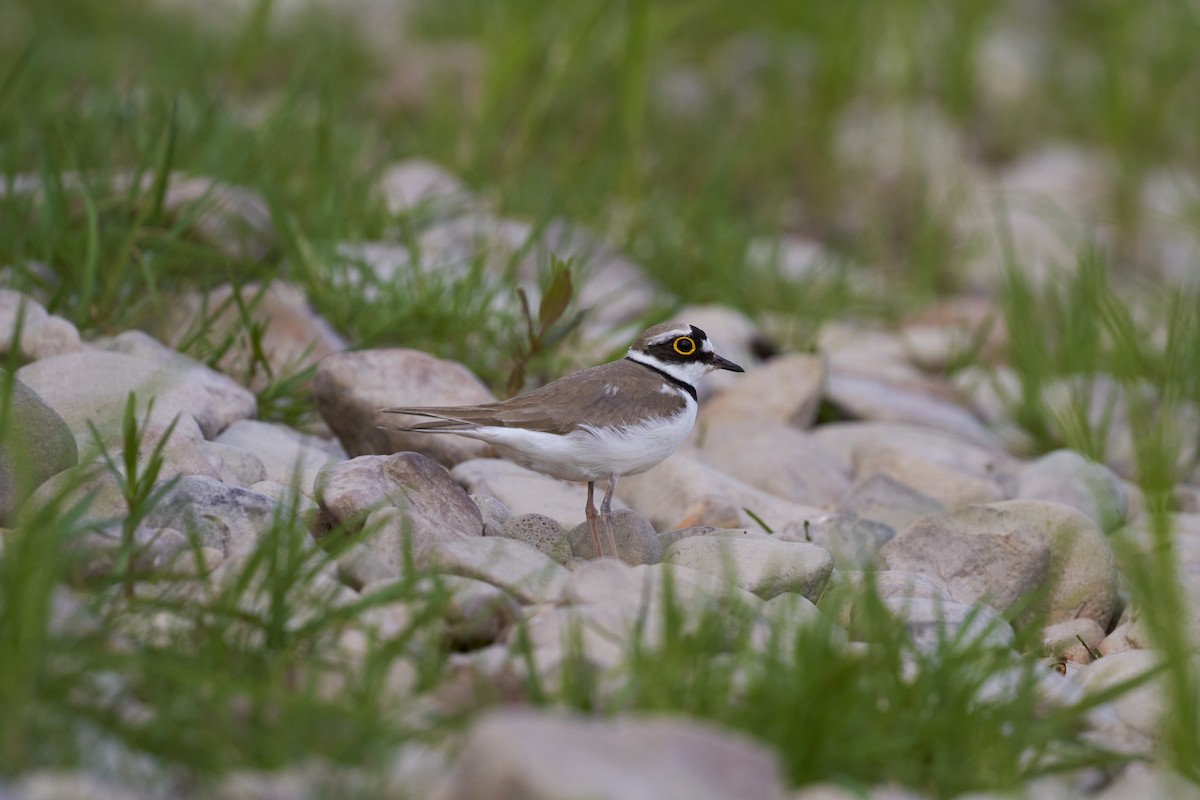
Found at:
[441, 420]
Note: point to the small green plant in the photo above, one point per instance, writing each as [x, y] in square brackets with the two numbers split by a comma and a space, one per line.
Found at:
[549, 328]
[137, 476]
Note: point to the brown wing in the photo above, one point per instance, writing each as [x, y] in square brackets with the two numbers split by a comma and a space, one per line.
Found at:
[558, 406]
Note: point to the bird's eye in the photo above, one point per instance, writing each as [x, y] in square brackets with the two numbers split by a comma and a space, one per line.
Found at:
[684, 345]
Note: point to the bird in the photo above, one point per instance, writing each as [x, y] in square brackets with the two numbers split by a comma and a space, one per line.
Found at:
[600, 423]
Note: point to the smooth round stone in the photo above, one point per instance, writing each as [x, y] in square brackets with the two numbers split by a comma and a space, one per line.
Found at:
[229, 518]
[854, 542]
[495, 514]
[765, 568]
[350, 388]
[286, 455]
[933, 623]
[37, 445]
[980, 553]
[349, 490]
[637, 543]
[1072, 479]
[885, 500]
[540, 532]
[542, 755]
[94, 387]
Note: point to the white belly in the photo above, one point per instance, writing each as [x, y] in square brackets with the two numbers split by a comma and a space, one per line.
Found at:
[589, 454]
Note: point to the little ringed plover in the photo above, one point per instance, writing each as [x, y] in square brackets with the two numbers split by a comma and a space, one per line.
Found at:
[601, 423]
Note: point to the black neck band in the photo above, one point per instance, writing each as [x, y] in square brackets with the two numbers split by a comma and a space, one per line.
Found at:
[668, 377]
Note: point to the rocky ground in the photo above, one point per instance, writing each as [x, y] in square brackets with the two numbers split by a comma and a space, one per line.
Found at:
[806, 479]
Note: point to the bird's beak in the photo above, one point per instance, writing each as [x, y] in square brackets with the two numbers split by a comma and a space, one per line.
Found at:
[725, 363]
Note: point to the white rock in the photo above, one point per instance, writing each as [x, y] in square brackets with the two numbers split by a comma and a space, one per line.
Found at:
[548, 756]
[93, 386]
[786, 389]
[350, 389]
[1141, 709]
[684, 491]
[416, 184]
[763, 567]
[867, 397]
[951, 487]
[845, 438]
[285, 454]
[51, 336]
[430, 499]
[234, 466]
[514, 566]
[524, 491]
[1067, 477]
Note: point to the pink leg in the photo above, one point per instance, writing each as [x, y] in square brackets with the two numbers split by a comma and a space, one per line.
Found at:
[591, 514]
[606, 513]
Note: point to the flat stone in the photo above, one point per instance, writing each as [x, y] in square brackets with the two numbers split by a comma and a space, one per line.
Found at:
[934, 623]
[350, 389]
[393, 540]
[477, 613]
[636, 540]
[524, 491]
[668, 538]
[229, 518]
[645, 587]
[786, 389]
[592, 639]
[1072, 479]
[1000, 552]
[286, 455]
[350, 490]
[366, 562]
[93, 387]
[866, 397]
[97, 553]
[233, 465]
[976, 553]
[539, 755]
[540, 532]
[67, 785]
[765, 568]
[853, 542]
[886, 501]
[519, 569]
[777, 458]
[293, 502]
[952, 488]
[845, 438]
[1142, 709]
[37, 445]
[684, 491]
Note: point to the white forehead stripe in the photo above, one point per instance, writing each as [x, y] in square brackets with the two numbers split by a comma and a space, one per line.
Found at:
[667, 336]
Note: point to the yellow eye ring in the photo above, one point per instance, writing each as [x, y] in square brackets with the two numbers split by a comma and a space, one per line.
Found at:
[684, 345]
